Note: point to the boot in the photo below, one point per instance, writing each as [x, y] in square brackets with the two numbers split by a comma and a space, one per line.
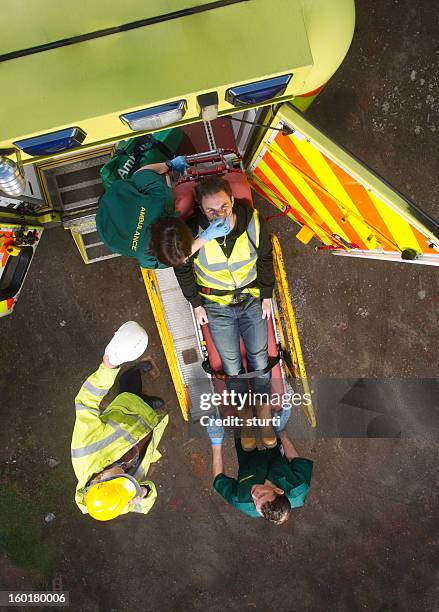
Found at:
[248, 438]
[144, 367]
[268, 436]
[155, 402]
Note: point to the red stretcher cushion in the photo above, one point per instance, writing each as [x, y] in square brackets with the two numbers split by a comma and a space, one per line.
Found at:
[184, 193]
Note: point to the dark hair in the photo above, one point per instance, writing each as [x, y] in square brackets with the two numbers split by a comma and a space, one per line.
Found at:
[278, 510]
[211, 185]
[171, 241]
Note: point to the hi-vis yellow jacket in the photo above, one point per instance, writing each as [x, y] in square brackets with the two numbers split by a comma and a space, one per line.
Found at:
[101, 438]
[213, 269]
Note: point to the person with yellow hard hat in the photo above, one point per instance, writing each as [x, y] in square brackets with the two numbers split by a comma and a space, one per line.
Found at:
[113, 449]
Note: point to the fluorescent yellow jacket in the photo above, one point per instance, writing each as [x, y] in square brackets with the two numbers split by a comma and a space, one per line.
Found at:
[213, 269]
[101, 438]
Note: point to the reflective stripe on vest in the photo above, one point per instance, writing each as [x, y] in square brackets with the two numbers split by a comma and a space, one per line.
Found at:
[213, 269]
[119, 432]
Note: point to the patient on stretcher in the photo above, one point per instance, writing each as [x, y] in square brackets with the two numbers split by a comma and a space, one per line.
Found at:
[229, 282]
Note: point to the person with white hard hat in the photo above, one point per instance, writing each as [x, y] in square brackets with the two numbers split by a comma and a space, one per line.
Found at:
[113, 449]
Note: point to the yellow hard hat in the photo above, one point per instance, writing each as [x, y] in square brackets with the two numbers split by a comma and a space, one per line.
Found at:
[107, 499]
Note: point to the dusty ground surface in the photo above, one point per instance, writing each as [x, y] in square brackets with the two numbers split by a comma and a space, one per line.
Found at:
[367, 537]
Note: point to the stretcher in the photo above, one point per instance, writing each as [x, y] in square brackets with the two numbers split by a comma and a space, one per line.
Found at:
[192, 357]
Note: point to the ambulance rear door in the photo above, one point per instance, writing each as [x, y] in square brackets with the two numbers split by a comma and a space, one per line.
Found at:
[335, 198]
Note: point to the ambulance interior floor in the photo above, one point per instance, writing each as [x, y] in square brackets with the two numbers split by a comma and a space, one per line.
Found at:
[367, 536]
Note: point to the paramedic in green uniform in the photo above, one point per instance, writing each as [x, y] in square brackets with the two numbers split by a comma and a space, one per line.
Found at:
[137, 217]
[270, 483]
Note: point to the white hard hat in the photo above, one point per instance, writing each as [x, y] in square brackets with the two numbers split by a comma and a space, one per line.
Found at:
[128, 343]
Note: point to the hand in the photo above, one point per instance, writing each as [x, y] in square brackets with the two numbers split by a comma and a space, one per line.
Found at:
[107, 363]
[215, 432]
[179, 164]
[217, 229]
[283, 417]
[266, 308]
[138, 498]
[201, 315]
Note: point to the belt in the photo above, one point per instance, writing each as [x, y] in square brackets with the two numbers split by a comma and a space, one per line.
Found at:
[211, 291]
[272, 361]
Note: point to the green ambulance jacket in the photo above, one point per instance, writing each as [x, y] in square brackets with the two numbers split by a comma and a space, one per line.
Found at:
[126, 211]
[101, 438]
[293, 477]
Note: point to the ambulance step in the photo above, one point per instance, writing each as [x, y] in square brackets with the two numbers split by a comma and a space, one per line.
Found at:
[75, 185]
[180, 322]
[87, 239]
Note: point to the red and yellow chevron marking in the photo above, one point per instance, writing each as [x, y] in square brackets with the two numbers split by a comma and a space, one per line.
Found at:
[325, 195]
[6, 306]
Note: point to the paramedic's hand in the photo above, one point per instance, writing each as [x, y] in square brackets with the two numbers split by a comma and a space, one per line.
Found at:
[201, 315]
[217, 229]
[266, 309]
[215, 432]
[178, 164]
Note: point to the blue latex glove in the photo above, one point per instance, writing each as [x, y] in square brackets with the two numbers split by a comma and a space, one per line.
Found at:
[178, 164]
[215, 432]
[283, 419]
[217, 229]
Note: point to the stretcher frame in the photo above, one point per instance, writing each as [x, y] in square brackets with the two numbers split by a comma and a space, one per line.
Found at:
[285, 327]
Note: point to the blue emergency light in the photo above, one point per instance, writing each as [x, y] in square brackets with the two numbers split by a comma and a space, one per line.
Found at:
[55, 142]
[258, 92]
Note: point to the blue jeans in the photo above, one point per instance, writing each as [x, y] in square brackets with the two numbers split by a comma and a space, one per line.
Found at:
[226, 325]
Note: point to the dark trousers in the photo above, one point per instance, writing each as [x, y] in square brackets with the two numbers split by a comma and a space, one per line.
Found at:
[131, 382]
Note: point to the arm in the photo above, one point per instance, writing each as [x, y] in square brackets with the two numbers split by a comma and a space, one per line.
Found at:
[185, 273]
[95, 388]
[160, 168]
[197, 244]
[186, 280]
[88, 417]
[297, 479]
[217, 460]
[177, 164]
[289, 448]
[222, 484]
[264, 263]
[216, 229]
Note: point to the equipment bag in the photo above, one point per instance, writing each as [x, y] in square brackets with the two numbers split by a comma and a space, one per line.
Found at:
[134, 153]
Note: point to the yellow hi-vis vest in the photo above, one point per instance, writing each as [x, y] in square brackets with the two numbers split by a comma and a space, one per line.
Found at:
[213, 269]
[101, 438]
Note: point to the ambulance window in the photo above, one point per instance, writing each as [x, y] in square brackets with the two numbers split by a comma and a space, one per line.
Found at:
[62, 140]
[256, 93]
[155, 117]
